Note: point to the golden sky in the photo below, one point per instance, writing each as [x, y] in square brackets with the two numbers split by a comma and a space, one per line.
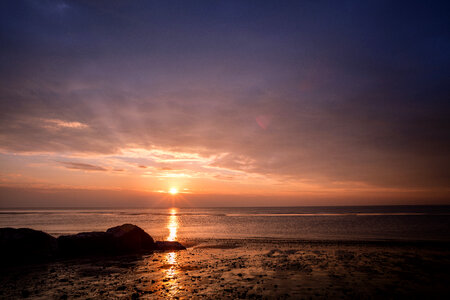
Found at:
[231, 103]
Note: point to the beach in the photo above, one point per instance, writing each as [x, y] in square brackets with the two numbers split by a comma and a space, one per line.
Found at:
[241, 253]
[238, 269]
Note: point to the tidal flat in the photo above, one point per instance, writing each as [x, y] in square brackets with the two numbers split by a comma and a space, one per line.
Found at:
[237, 269]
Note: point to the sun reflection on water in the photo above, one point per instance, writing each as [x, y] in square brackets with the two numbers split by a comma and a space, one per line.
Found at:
[172, 225]
[171, 257]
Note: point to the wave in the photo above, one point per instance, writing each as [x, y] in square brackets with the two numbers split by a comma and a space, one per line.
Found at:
[220, 213]
[332, 214]
[108, 213]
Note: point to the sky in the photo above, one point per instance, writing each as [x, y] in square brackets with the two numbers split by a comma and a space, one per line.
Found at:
[232, 103]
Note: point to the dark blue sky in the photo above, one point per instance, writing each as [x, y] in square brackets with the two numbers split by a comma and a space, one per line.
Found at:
[323, 92]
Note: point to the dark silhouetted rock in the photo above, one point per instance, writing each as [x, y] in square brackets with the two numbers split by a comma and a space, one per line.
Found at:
[27, 244]
[167, 245]
[86, 243]
[131, 238]
[24, 244]
[126, 238]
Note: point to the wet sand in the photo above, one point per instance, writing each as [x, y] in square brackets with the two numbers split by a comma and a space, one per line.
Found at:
[233, 269]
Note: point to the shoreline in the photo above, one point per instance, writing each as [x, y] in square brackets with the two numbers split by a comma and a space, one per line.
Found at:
[234, 269]
[387, 242]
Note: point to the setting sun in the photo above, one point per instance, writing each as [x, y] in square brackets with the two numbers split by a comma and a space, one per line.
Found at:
[173, 191]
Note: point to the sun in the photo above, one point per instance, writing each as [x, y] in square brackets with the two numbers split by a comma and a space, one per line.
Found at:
[173, 191]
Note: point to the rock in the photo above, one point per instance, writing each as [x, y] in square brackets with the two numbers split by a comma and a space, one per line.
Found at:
[24, 244]
[126, 238]
[25, 293]
[86, 243]
[131, 238]
[121, 288]
[168, 245]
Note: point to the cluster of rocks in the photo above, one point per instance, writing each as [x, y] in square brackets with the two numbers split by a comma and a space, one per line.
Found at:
[24, 244]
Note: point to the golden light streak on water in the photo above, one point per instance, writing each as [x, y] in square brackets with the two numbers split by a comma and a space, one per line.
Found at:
[172, 225]
[171, 257]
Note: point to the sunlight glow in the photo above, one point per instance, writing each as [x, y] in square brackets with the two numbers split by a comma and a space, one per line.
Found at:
[173, 191]
[171, 257]
[171, 273]
[172, 225]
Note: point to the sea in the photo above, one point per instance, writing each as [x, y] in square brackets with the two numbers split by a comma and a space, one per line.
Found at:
[358, 223]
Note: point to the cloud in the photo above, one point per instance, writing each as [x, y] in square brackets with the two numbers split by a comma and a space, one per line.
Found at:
[82, 166]
[235, 162]
[55, 123]
[291, 98]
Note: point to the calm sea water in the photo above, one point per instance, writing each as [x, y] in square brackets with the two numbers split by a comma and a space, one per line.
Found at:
[310, 223]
